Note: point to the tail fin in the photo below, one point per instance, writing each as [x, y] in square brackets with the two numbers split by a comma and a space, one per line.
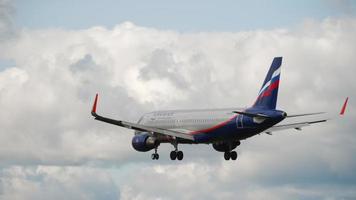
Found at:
[267, 97]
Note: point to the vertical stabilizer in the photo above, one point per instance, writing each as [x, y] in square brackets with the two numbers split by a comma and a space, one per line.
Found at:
[267, 97]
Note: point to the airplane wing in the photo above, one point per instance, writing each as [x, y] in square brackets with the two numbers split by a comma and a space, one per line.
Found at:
[138, 127]
[265, 116]
[305, 114]
[299, 125]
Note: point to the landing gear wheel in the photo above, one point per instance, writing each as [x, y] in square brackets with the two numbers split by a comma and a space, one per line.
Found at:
[227, 155]
[155, 156]
[176, 154]
[173, 155]
[180, 155]
[233, 155]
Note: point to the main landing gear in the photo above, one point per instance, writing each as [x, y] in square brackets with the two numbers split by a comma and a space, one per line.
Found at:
[230, 155]
[176, 154]
[227, 147]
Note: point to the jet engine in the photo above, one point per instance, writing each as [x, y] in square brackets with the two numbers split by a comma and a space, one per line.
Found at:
[226, 146]
[144, 142]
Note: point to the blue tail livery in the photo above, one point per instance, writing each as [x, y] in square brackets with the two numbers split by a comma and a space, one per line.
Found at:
[267, 96]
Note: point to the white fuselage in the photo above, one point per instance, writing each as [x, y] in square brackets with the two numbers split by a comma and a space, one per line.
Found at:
[187, 120]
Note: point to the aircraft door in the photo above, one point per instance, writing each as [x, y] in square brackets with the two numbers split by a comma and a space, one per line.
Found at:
[239, 121]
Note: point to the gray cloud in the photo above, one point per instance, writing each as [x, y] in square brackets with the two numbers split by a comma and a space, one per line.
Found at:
[50, 182]
[6, 19]
[162, 65]
[47, 131]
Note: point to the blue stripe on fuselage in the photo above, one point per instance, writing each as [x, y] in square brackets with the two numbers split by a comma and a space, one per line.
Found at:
[230, 131]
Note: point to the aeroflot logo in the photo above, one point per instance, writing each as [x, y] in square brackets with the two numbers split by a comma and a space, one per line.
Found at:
[268, 87]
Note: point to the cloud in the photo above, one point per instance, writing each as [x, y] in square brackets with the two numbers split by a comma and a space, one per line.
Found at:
[47, 131]
[222, 180]
[162, 64]
[51, 182]
[6, 19]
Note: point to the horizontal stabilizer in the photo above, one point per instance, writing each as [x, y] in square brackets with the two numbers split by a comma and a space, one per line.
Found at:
[251, 114]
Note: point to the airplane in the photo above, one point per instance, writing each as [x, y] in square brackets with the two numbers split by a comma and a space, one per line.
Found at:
[223, 128]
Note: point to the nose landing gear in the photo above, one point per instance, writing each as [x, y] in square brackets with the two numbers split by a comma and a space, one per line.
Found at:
[155, 155]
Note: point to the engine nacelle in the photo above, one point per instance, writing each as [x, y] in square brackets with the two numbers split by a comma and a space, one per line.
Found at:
[225, 146]
[144, 142]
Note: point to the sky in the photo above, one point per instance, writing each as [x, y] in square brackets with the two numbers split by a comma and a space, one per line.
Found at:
[197, 16]
[144, 56]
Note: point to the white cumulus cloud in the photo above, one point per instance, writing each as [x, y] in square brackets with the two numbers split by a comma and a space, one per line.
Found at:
[49, 141]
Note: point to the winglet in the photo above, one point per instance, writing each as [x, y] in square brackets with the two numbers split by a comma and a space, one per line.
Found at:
[93, 110]
[343, 109]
